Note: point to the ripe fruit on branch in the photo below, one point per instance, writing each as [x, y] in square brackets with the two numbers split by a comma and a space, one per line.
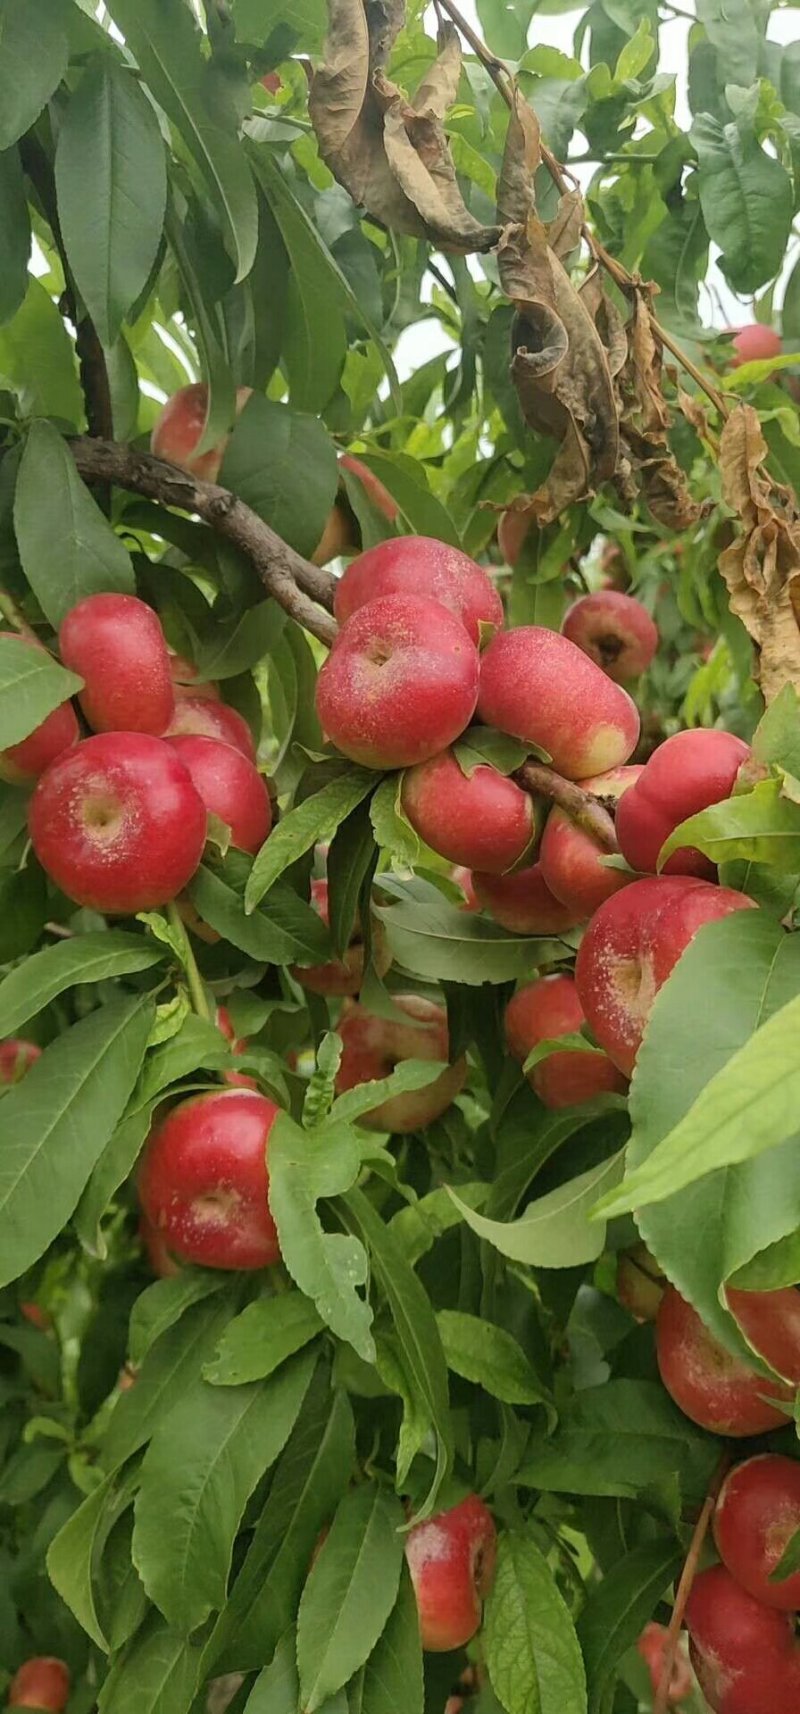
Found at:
[204, 718]
[757, 1515]
[42, 1682]
[116, 644]
[421, 567]
[632, 945]
[615, 631]
[57, 732]
[230, 786]
[118, 823]
[179, 428]
[203, 1183]
[754, 343]
[523, 903]
[539, 687]
[652, 1647]
[550, 1007]
[342, 976]
[17, 1057]
[572, 861]
[746, 1655]
[481, 820]
[512, 534]
[373, 1046]
[770, 1321]
[708, 1383]
[400, 682]
[451, 1558]
[640, 1282]
[684, 775]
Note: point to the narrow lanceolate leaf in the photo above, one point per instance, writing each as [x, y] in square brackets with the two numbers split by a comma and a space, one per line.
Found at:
[618, 1608]
[277, 1689]
[761, 826]
[57, 1122]
[167, 44]
[70, 1558]
[15, 226]
[393, 1676]
[259, 1340]
[746, 199]
[87, 958]
[33, 59]
[200, 1469]
[67, 548]
[532, 1653]
[328, 1266]
[156, 1674]
[111, 181]
[163, 1303]
[350, 1593]
[749, 1106]
[316, 818]
[32, 684]
[172, 1366]
[489, 1357]
[557, 1231]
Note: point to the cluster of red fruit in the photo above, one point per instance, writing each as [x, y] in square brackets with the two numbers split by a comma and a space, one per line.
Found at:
[42, 1682]
[119, 820]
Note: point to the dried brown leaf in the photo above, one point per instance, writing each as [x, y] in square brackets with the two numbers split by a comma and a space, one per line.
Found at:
[762, 567]
[646, 419]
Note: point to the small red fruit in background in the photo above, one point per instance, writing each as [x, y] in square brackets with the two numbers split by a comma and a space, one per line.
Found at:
[711, 1385]
[746, 1655]
[512, 534]
[451, 1558]
[523, 902]
[550, 1007]
[271, 82]
[640, 1283]
[179, 429]
[342, 977]
[420, 567]
[376, 491]
[685, 774]
[652, 1646]
[43, 1683]
[632, 945]
[373, 1046]
[615, 631]
[116, 644]
[481, 820]
[17, 1057]
[541, 688]
[185, 681]
[572, 861]
[230, 786]
[400, 682]
[202, 717]
[117, 823]
[203, 1183]
[56, 733]
[757, 1515]
[236, 1079]
[754, 343]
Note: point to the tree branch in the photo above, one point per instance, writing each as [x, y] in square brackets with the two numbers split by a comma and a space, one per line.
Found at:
[579, 805]
[300, 588]
[684, 1589]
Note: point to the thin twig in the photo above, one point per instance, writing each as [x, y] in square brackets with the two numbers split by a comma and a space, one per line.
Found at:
[586, 811]
[15, 616]
[687, 1578]
[302, 589]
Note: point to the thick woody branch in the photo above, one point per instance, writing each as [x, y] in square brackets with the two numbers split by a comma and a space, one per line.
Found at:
[580, 806]
[302, 589]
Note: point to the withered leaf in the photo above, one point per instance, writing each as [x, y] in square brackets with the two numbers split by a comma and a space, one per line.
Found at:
[390, 153]
[645, 421]
[762, 567]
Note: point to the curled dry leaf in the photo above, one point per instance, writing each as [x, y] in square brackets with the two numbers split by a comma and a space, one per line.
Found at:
[645, 421]
[762, 566]
[389, 152]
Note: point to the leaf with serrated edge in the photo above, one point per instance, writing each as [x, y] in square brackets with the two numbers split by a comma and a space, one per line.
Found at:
[532, 1653]
[259, 1340]
[350, 1592]
[85, 958]
[489, 1357]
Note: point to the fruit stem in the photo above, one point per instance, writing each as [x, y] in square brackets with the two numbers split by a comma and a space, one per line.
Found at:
[580, 806]
[684, 1589]
[15, 616]
[194, 981]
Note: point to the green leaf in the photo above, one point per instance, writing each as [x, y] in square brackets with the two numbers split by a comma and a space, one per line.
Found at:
[167, 44]
[489, 1357]
[436, 940]
[285, 931]
[33, 60]
[327, 1266]
[23, 909]
[172, 1366]
[418, 1225]
[70, 963]
[351, 858]
[156, 1674]
[162, 1305]
[406, 480]
[57, 1122]
[277, 1688]
[789, 1563]
[761, 826]
[315, 818]
[620, 1438]
[15, 226]
[408, 1076]
[313, 1473]
[32, 684]
[313, 364]
[617, 1610]
[67, 548]
[111, 182]
[236, 645]
[200, 1469]
[259, 1340]
[557, 1231]
[485, 746]
[282, 463]
[776, 740]
[532, 1653]
[351, 1590]
[746, 198]
[393, 1676]
[37, 359]
[70, 1559]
